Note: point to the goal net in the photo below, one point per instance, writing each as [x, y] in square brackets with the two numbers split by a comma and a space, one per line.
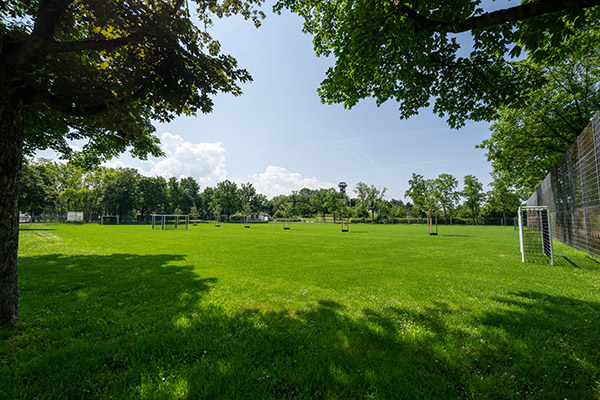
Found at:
[169, 221]
[109, 219]
[535, 235]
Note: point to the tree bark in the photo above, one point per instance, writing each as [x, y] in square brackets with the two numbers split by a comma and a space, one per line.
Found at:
[13, 115]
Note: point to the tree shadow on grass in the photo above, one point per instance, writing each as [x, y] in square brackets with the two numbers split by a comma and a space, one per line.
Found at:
[579, 261]
[129, 326]
[85, 318]
[554, 343]
[441, 351]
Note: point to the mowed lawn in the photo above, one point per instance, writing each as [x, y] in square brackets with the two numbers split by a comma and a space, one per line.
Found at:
[382, 312]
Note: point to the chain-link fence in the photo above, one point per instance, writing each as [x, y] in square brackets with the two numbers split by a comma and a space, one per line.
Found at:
[572, 192]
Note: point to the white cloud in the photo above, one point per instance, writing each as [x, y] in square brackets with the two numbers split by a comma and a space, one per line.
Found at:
[114, 164]
[278, 180]
[74, 147]
[205, 162]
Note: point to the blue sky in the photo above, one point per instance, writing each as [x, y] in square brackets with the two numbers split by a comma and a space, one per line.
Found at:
[279, 136]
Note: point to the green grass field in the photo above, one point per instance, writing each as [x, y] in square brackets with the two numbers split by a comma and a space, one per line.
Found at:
[382, 312]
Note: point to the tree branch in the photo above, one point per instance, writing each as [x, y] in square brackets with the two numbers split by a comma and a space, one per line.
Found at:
[89, 110]
[49, 14]
[490, 19]
[111, 44]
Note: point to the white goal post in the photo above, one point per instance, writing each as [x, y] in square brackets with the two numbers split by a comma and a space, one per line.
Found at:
[535, 234]
[170, 219]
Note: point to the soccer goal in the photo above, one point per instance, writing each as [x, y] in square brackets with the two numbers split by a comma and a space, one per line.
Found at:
[170, 221]
[109, 219]
[535, 234]
[287, 224]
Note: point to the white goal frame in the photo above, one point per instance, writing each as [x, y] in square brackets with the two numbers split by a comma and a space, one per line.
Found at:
[544, 229]
[108, 216]
[163, 218]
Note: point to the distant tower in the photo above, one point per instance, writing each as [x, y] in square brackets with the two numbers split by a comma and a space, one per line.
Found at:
[343, 186]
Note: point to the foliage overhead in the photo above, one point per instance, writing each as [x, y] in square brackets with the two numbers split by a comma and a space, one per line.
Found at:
[527, 141]
[410, 51]
[100, 70]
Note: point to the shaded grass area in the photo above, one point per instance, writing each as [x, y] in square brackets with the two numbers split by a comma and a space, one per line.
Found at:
[381, 312]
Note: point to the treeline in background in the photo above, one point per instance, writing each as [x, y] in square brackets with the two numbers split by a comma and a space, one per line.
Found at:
[50, 189]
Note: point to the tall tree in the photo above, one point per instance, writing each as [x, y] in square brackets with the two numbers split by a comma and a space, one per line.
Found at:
[374, 200]
[408, 51]
[99, 70]
[362, 194]
[448, 196]
[92, 182]
[152, 195]
[333, 202]
[317, 202]
[205, 201]
[277, 203]
[72, 198]
[190, 193]
[38, 187]
[417, 192]
[247, 194]
[474, 196]
[174, 194]
[227, 196]
[502, 200]
[424, 194]
[259, 202]
[119, 191]
[431, 199]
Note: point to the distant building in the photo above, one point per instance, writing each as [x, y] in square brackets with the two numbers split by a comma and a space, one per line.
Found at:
[264, 218]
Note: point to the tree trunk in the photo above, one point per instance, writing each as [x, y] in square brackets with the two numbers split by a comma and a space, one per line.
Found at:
[13, 114]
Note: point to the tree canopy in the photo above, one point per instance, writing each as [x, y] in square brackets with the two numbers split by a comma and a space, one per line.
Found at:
[99, 70]
[474, 195]
[528, 140]
[410, 52]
